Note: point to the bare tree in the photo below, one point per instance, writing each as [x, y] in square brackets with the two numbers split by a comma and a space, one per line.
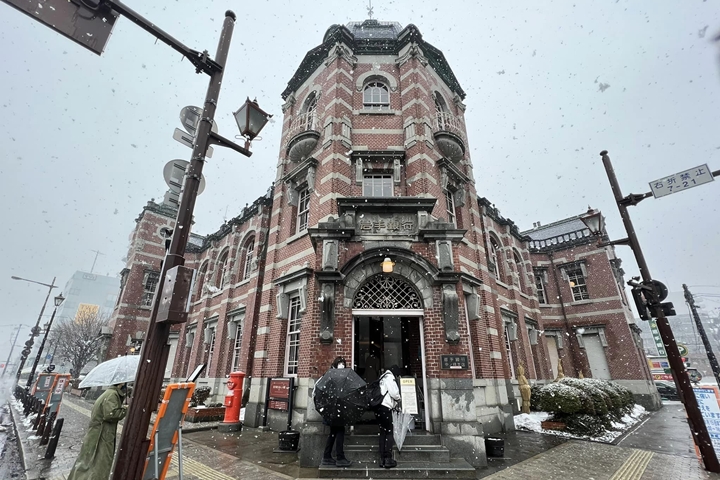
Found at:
[78, 339]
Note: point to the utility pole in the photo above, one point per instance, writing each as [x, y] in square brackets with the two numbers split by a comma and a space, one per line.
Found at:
[706, 342]
[687, 395]
[19, 327]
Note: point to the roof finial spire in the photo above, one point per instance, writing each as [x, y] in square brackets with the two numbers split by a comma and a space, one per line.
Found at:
[370, 9]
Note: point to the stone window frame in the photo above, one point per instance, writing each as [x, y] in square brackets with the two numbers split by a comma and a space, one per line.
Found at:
[370, 89]
[247, 256]
[540, 281]
[453, 182]
[293, 302]
[495, 251]
[598, 330]
[235, 328]
[510, 327]
[579, 291]
[148, 295]
[210, 325]
[518, 261]
[287, 285]
[124, 276]
[299, 180]
[558, 334]
[381, 175]
[201, 279]
[222, 270]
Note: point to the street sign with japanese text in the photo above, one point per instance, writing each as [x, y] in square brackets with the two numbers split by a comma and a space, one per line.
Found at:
[88, 24]
[708, 399]
[658, 339]
[681, 181]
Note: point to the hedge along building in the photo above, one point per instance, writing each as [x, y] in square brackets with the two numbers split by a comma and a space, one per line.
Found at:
[589, 326]
[374, 166]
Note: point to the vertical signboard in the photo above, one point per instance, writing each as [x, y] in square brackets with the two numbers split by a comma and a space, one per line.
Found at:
[409, 397]
[708, 398]
[658, 339]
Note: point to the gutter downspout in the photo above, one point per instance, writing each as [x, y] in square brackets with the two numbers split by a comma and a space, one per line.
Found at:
[564, 312]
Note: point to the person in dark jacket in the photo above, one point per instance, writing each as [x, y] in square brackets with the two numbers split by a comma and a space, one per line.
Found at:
[337, 436]
[391, 398]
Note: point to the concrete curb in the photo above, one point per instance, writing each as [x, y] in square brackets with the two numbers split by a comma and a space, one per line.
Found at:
[22, 438]
[21, 450]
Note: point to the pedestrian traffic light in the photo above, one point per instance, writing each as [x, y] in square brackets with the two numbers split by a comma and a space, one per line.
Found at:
[640, 303]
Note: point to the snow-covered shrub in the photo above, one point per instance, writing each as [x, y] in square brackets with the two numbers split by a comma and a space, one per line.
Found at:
[599, 398]
[585, 425]
[199, 396]
[558, 398]
[534, 397]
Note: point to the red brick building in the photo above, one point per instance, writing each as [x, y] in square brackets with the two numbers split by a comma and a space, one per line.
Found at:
[589, 326]
[374, 245]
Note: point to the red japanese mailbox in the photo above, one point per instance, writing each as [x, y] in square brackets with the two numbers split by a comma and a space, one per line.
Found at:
[233, 403]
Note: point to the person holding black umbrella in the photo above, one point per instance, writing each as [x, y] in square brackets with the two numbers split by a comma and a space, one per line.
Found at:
[337, 435]
[391, 397]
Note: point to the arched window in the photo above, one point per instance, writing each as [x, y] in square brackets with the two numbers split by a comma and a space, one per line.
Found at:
[249, 252]
[309, 112]
[376, 96]
[442, 114]
[520, 269]
[201, 280]
[221, 270]
[495, 258]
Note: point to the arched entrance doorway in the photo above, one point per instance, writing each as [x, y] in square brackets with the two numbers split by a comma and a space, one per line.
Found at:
[387, 330]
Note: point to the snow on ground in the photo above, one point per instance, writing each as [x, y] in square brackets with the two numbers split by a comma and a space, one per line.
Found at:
[531, 421]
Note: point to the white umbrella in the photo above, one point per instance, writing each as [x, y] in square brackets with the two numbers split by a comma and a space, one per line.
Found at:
[401, 425]
[118, 370]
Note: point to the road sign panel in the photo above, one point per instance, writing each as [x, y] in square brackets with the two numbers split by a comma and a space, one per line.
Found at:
[174, 172]
[189, 141]
[190, 118]
[683, 350]
[681, 181]
[89, 27]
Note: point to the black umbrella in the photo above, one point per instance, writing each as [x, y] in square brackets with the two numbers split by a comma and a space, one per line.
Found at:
[339, 397]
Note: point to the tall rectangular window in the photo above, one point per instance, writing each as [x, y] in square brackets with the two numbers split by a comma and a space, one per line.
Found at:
[303, 210]
[237, 345]
[211, 351]
[540, 286]
[508, 351]
[249, 251]
[293, 337]
[576, 278]
[450, 206]
[377, 185]
[150, 282]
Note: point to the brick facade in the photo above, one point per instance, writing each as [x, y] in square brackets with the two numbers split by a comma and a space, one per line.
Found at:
[373, 164]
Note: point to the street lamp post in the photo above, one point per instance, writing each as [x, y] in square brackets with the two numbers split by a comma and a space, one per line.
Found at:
[58, 301]
[36, 329]
[594, 222]
[134, 445]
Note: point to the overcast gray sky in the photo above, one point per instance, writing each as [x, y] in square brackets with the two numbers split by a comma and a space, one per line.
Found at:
[549, 85]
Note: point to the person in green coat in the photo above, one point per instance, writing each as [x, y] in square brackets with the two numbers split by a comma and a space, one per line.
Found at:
[98, 448]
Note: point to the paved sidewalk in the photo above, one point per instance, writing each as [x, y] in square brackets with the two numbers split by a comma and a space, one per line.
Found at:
[577, 460]
[665, 431]
[213, 455]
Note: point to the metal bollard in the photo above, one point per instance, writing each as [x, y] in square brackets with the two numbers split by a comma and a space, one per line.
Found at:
[48, 429]
[54, 438]
[39, 423]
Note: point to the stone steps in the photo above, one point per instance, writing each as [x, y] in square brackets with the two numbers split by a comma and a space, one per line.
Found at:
[409, 453]
[455, 468]
[411, 439]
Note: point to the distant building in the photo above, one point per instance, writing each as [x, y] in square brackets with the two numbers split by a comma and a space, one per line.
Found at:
[685, 331]
[86, 293]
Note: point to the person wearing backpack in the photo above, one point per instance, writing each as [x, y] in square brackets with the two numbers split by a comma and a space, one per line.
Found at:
[336, 437]
[383, 413]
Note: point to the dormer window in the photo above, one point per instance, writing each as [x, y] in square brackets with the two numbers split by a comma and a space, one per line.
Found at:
[376, 96]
